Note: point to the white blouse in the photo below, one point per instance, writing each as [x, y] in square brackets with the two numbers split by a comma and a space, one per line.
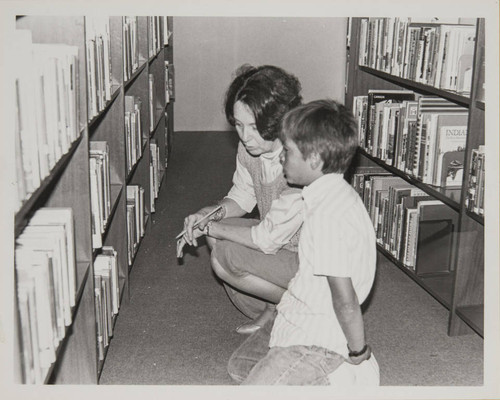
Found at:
[285, 216]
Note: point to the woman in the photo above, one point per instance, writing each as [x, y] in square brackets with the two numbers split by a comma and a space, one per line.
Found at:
[255, 258]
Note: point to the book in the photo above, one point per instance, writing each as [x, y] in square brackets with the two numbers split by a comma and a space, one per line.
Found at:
[99, 317]
[437, 222]
[474, 201]
[360, 105]
[450, 149]
[61, 216]
[409, 233]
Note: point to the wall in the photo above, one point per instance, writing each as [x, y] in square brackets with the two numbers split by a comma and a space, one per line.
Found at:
[207, 51]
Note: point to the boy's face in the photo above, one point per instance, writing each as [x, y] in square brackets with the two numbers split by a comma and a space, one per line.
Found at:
[298, 171]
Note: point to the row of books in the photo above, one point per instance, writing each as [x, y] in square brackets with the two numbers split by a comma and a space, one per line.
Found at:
[156, 36]
[133, 130]
[413, 227]
[130, 47]
[474, 200]
[439, 55]
[423, 136]
[169, 81]
[107, 296]
[155, 172]
[99, 78]
[100, 189]
[135, 219]
[46, 106]
[45, 268]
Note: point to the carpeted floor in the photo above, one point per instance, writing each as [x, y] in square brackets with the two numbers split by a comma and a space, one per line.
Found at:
[178, 327]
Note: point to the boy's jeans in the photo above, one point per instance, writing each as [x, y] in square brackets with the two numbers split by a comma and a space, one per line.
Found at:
[253, 363]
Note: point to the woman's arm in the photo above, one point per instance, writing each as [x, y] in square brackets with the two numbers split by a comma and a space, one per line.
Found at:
[239, 201]
[348, 312]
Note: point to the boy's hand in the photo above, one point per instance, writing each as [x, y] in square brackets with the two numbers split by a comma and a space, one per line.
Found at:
[362, 357]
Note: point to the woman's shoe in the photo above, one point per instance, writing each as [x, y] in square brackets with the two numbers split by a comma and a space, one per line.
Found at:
[247, 328]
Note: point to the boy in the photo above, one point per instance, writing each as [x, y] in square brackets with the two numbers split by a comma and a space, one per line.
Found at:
[319, 324]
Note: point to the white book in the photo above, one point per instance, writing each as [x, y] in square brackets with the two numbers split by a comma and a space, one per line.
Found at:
[151, 190]
[26, 289]
[141, 204]
[133, 196]
[25, 104]
[94, 202]
[26, 297]
[46, 244]
[52, 238]
[112, 256]
[31, 265]
[61, 216]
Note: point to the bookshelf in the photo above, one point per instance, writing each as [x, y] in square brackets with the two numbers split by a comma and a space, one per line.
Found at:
[88, 178]
[460, 289]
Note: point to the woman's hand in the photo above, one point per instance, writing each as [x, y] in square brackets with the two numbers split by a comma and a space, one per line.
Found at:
[193, 233]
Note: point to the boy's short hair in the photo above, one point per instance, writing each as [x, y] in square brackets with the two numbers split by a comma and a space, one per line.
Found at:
[268, 91]
[325, 127]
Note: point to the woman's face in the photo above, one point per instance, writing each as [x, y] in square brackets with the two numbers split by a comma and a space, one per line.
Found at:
[244, 121]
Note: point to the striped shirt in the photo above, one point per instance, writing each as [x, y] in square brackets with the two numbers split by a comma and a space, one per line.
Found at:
[337, 239]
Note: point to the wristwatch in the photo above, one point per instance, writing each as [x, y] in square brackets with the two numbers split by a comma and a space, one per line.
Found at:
[207, 227]
[357, 353]
[219, 214]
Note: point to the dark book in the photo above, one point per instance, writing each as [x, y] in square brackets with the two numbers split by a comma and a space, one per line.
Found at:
[437, 222]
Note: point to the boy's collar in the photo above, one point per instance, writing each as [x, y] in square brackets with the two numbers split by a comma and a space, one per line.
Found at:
[320, 185]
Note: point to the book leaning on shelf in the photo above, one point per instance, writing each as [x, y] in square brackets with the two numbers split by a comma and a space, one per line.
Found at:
[133, 130]
[169, 81]
[130, 47]
[46, 99]
[474, 200]
[98, 49]
[107, 295]
[46, 288]
[439, 55]
[156, 169]
[135, 219]
[100, 189]
[155, 35]
[166, 31]
[152, 102]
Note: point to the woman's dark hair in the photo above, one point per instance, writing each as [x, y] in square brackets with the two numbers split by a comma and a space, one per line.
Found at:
[325, 127]
[268, 91]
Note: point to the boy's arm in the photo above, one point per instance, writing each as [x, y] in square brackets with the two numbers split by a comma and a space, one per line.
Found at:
[280, 224]
[348, 312]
